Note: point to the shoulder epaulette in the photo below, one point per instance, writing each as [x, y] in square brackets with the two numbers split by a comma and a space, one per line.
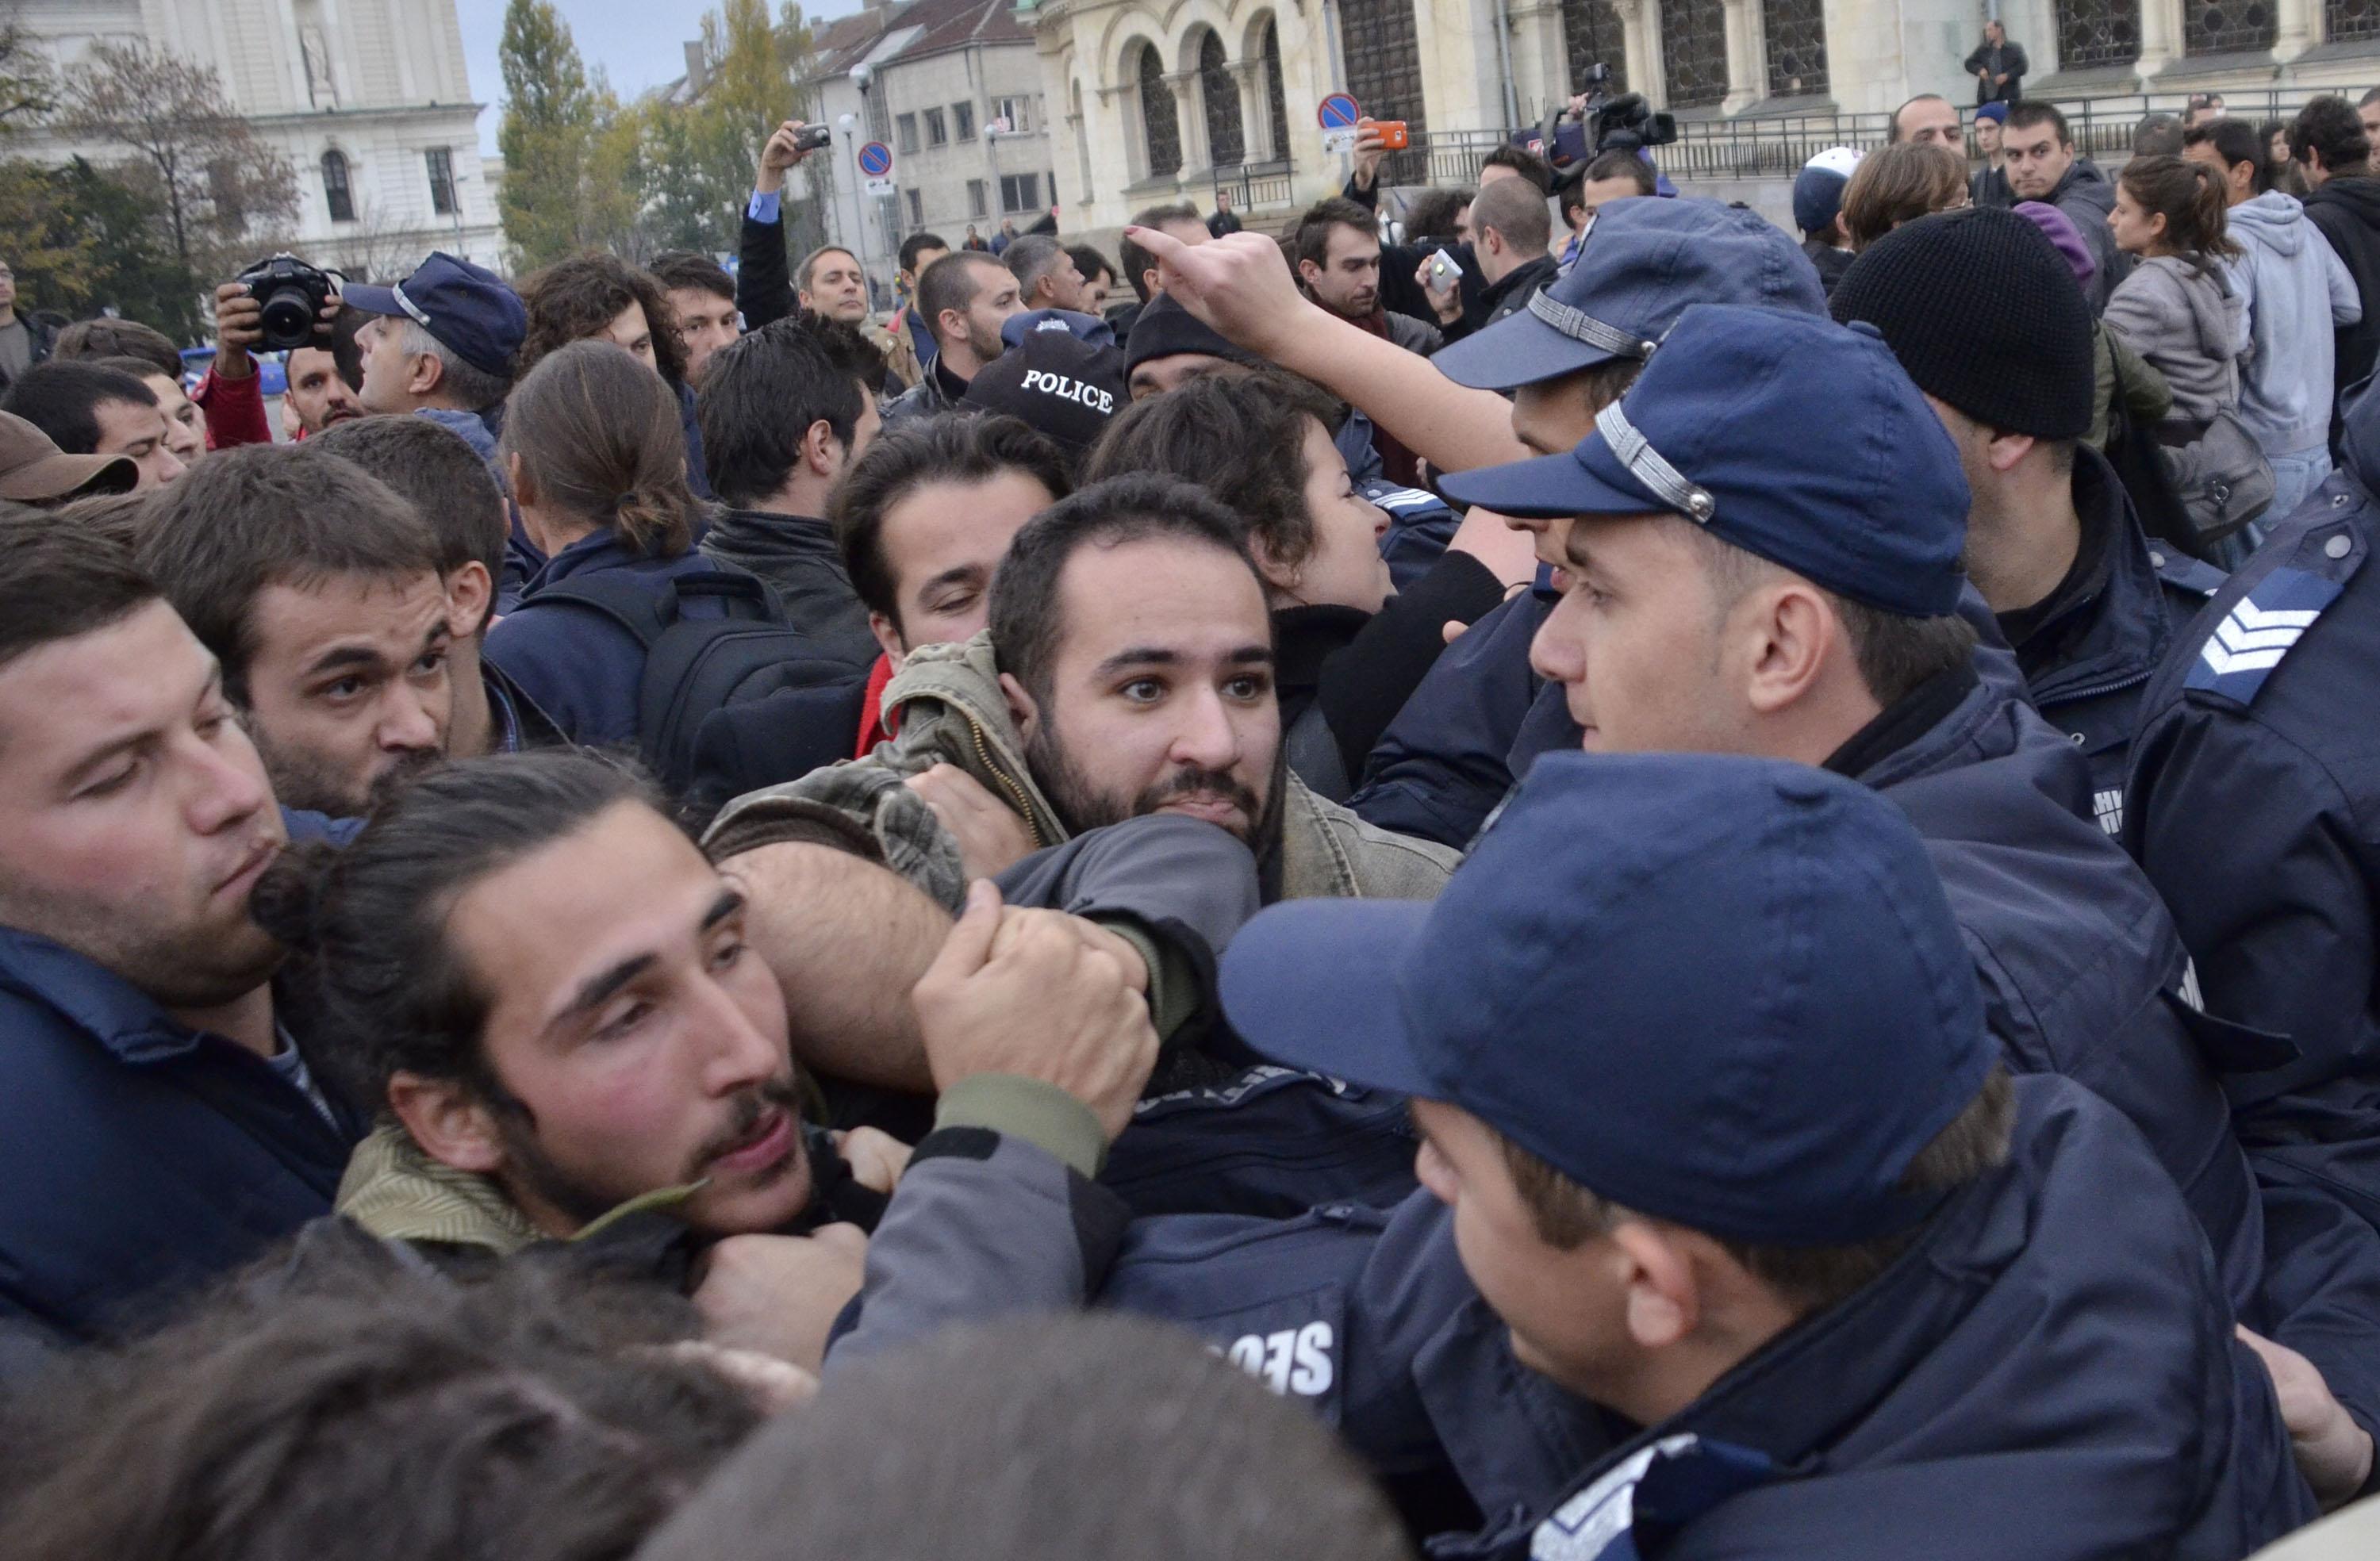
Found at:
[1398, 498]
[2261, 629]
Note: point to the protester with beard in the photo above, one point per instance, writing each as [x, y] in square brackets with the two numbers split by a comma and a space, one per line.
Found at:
[597, 467]
[1092, 699]
[555, 1061]
[963, 299]
[320, 590]
[318, 396]
[1348, 653]
[158, 1125]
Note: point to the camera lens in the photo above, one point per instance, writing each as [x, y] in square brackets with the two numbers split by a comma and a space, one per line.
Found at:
[288, 318]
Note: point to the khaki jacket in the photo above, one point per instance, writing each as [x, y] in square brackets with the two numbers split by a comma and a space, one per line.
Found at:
[953, 711]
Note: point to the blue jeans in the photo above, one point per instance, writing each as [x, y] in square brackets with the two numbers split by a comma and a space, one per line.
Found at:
[2295, 478]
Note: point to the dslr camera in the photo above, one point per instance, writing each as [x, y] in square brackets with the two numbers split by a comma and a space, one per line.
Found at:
[1628, 122]
[294, 295]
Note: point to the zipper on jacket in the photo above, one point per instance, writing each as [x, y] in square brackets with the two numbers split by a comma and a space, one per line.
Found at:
[1007, 782]
[2094, 691]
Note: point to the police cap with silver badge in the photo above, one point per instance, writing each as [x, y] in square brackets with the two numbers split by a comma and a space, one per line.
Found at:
[1795, 439]
[1645, 260]
[1724, 991]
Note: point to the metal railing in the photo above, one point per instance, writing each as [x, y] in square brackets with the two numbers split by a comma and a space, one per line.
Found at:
[1255, 186]
[1778, 145]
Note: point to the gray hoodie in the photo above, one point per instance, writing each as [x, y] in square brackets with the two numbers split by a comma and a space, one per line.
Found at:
[2191, 328]
[2295, 290]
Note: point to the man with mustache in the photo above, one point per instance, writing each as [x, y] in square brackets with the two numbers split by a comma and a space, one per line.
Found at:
[1092, 699]
[158, 1124]
[556, 1061]
[320, 592]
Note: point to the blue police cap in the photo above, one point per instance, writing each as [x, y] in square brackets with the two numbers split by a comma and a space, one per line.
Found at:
[1727, 992]
[1082, 327]
[467, 308]
[1792, 437]
[1644, 261]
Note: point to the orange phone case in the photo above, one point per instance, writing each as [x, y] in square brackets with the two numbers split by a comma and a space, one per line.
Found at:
[1393, 135]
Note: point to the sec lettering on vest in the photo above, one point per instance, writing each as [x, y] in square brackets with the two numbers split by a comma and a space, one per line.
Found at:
[1288, 1361]
[1072, 390]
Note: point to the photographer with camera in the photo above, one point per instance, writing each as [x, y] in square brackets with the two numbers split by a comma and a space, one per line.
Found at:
[281, 304]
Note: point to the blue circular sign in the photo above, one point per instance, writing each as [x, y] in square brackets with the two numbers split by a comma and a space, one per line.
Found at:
[1339, 112]
[876, 159]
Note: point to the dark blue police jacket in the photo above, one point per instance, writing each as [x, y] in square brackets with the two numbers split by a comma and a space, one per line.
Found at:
[2088, 654]
[2256, 809]
[580, 668]
[137, 1157]
[2049, 1371]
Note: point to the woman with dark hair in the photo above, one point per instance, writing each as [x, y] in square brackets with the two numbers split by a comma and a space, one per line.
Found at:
[1347, 653]
[2287, 174]
[2177, 309]
[592, 446]
[601, 298]
[1899, 184]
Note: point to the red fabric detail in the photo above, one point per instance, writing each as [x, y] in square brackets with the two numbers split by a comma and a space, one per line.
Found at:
[874, 728]
[235, 409]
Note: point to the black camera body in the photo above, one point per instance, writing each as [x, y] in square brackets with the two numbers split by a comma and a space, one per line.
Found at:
[809, 138]
[1628, 122]
[294, 295]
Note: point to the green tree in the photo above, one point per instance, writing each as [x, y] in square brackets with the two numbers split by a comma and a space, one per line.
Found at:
[81, 242]
[28, 87]
[547, 135]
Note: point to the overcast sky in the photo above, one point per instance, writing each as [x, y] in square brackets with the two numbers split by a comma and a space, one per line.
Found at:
[639, 44]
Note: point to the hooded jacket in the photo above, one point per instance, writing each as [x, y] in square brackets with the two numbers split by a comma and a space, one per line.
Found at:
[2036, 1376]
[953, 711]
[2191, 327]
[2296, 293]
[2347, 209]
[2087, 199]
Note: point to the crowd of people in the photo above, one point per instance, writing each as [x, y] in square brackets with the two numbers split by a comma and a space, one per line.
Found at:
[1701, 894]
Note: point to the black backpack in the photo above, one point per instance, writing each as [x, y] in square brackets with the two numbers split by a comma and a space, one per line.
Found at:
[711, 639]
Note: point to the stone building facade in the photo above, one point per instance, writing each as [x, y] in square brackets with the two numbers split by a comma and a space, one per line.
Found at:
[367, 99]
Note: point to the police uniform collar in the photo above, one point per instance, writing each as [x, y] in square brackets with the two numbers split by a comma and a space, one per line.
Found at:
[1904, 722]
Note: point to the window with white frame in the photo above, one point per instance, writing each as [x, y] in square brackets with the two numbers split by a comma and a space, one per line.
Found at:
[440, 161]
[907, 125]
[1020, 192]
[979, 198]
[963, 117]
[1018, 111]
[937, 130]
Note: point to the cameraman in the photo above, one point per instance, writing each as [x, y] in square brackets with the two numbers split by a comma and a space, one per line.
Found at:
[232, 392]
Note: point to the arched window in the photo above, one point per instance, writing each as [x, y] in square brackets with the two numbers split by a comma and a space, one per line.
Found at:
[1384, 59]
[335, 190]
[1796, 35]
[1693, 51]
[1592, 35]
[2094, 32]
[1225, 142]
[1158, 124]
[1275, 100]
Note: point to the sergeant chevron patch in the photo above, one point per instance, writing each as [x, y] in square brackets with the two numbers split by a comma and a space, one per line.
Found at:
[2258, 632]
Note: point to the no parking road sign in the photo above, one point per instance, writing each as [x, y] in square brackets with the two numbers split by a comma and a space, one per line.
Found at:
[1337, 115]
[876, 159]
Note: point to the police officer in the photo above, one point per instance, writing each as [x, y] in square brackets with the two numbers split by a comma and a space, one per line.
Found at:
[1481, 714]
[1987, 318]
[1743, 580]
[1782, 1264]
[2256, 809]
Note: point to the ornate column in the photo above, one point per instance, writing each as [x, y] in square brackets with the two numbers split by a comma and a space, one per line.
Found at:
[2161, 43]
[2298, 26]
[1190, 118]
[1640, 32]
[1747, 57]
[1256, 112]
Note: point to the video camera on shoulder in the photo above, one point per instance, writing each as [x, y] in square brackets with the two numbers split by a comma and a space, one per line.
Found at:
[294, 295]
[1628, 123]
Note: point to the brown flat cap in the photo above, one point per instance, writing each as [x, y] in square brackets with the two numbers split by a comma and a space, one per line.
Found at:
[35, 471]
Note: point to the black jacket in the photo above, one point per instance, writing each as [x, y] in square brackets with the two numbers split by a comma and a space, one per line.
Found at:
[2087, 197]
[1343, 674]
[2347, 209]
[2087, 650]
[1508, 295]
[40, 336]
[764, 278]
[797, 556]
[2002, 59]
